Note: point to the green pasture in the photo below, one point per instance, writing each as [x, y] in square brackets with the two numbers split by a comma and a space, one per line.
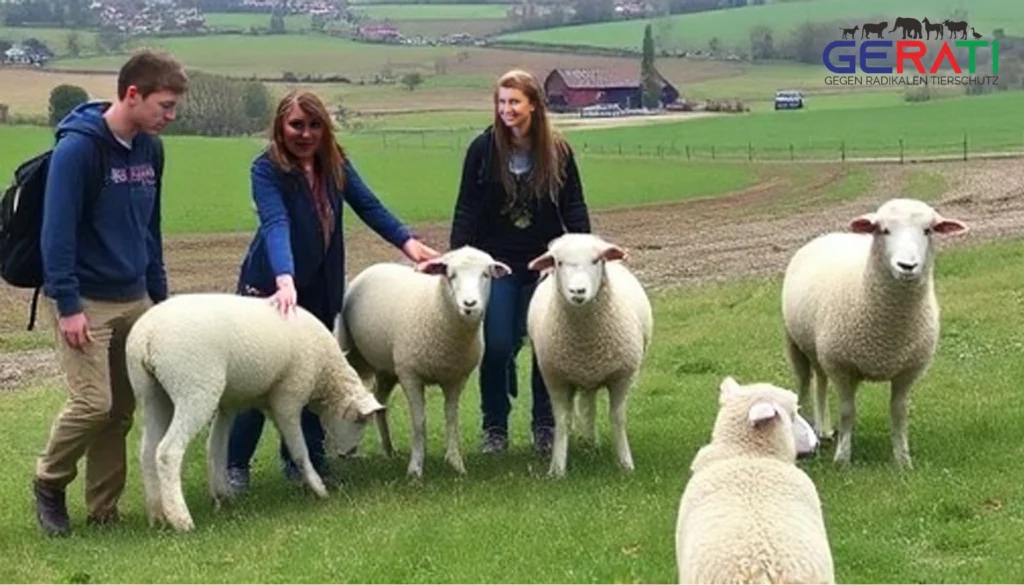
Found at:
[991, 123]
[956, 517]
[433, 11]
[207, 185]
[55, 38]
[245, 20]
[733, 26]
[301, 54]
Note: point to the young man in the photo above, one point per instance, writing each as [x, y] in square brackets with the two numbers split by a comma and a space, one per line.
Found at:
[103, 267]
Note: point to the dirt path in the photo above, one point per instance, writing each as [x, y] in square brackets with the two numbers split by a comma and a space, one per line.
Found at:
[750, 233]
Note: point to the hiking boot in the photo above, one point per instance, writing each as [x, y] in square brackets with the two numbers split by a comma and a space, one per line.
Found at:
[543, 438]
[51, 509]
[108, 519]
[494, 441]
[238, 479]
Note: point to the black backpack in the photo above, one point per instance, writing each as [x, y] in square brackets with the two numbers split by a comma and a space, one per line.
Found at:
[21, 221]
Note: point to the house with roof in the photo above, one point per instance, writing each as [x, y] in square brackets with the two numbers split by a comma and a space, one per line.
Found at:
[572, 89]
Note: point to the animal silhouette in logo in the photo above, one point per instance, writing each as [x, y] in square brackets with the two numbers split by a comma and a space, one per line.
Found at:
[936, 28]
[911, 27]
[975, 33]
[959, 26]
[873, 29]
[852, 32]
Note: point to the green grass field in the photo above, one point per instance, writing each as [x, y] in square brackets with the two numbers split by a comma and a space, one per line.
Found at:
[957, 517]
[208, 179]
[55, 38]
[292, 23]
[991, 122]
[433, 11]
[733, 26]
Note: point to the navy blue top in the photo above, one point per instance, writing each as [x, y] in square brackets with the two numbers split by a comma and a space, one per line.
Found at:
[290, 238]
[112, 249]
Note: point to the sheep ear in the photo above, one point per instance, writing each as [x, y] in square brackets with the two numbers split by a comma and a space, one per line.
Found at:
[949, 227]
[500, 269]
[865, 224]
[433, 266]
[613, 252]
[762, 411]
[366, 406]
[542, 262]
[727, 389]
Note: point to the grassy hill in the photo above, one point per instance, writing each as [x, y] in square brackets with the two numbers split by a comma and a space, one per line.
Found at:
[733, 26]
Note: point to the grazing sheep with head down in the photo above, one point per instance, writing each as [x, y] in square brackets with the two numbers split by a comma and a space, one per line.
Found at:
[861, 306]
[420, 328]
[199, 356]
[590, 323]
[748, 513]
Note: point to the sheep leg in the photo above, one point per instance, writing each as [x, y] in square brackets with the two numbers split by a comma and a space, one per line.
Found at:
[586, 411]
[286, 413]
[899, 402]
[186, 423]
[417, 412]
[618, 391]
[385, 385]
[217, 457]
[158, 410]
[452, 455]
[822, 421]
[847, 388]
[561, 407]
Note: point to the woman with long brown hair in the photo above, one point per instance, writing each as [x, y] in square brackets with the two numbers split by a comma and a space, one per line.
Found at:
[520, 189]
[297, 255]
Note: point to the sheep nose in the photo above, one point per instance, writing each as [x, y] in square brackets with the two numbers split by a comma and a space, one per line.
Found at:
[907, 266]
[469, 303]
[577, 290]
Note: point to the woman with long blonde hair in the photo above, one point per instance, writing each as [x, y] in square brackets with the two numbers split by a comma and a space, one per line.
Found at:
[297, 255]
[520, 189]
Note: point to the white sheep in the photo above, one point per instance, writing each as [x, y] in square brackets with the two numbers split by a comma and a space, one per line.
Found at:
[861, 306]
[199, 356]
[748, 513]
[590, 324]
[419, 328]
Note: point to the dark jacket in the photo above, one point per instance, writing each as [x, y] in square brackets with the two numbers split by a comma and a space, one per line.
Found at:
[290, 239]
[114, 250]
[479, 221]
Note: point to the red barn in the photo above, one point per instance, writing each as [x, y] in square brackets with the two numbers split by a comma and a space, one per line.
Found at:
[571, 89]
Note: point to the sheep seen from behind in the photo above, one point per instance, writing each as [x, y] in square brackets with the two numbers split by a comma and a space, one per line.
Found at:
[748, 514]
[199, 356]
[419, 328]
[590, 323]
[861, 306]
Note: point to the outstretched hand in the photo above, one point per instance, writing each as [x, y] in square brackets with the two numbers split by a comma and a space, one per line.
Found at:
[285, 299]
[418, 252]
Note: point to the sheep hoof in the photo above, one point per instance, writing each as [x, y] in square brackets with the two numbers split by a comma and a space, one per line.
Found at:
[903, 462]
[457, 464]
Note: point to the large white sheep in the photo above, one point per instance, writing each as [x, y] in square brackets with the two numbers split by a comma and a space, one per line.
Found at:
[748, 513]
[590, 324]
[199, 356]
[419, 328]
[861, 306]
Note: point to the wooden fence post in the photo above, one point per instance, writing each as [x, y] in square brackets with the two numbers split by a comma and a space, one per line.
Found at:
[791, 155]
[750, 152]
[901, 151]
[965, 146]
[842, 151]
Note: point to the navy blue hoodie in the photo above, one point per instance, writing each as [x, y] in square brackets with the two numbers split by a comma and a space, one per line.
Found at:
[101, 234]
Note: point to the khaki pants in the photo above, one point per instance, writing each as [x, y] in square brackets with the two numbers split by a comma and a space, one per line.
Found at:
[98, 413]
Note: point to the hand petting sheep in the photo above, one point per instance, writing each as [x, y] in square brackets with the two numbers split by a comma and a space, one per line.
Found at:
[590, 323]
[748, 513]
[417, 329]
[199, 356]
[861, 306]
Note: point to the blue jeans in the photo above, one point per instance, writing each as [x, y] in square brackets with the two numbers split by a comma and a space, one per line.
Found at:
[504, 330]
[248, 425]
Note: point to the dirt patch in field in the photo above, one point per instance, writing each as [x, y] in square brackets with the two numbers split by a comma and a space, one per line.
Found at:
[749, 233]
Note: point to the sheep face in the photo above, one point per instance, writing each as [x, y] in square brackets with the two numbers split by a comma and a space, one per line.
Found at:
[762, 405]
[904, 230]
[578, 262]
[345, 428]
[467, 274]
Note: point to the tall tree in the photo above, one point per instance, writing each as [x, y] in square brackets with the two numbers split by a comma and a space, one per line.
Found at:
[650, 89]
